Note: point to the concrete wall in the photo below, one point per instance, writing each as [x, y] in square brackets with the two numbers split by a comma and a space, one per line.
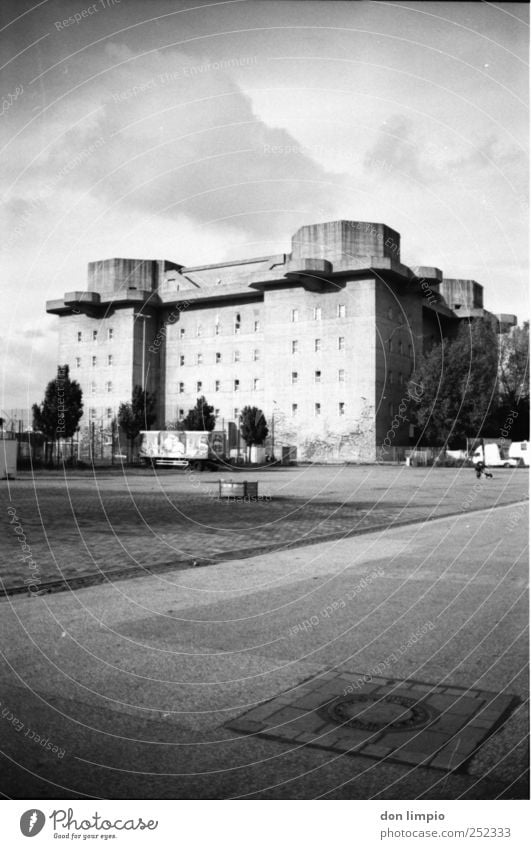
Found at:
[118, 373]
[398, 342]
[341, 240]
[226, 342]
[328, 436]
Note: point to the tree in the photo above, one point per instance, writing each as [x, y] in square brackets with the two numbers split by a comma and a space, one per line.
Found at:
[200, 417]
[458, 386]
[137, 415]
[513, 383]
[57, 417]
[253, 426]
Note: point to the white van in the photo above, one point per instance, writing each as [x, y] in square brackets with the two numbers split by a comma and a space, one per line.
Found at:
[490, 455]
[520, 451]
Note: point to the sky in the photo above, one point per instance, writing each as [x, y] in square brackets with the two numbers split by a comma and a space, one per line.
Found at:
[203, 132]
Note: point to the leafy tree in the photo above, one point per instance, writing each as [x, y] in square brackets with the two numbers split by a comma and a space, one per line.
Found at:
[57, 417]
[253, 426]
[513, 382]
[458, 386]
[200, 417]
[137, 415]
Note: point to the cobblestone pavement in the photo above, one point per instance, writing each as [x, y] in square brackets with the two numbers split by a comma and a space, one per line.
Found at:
[84, 527]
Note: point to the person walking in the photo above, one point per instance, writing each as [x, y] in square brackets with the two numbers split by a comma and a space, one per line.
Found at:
[481, 470]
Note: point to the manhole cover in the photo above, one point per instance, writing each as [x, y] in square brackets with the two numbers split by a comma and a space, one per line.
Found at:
[373, 713]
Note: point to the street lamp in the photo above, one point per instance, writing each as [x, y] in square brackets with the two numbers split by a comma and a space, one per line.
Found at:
[143, 315]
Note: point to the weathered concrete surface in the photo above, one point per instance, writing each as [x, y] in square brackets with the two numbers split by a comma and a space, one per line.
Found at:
[84, 527]
[137, 680]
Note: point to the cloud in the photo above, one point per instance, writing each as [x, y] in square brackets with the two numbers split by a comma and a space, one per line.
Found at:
[396, 149]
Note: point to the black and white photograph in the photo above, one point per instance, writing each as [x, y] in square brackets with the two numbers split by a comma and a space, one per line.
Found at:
[264, 417]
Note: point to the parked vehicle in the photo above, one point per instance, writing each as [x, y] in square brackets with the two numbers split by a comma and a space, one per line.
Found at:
[491, 455]
[197, 449]
[520, 451]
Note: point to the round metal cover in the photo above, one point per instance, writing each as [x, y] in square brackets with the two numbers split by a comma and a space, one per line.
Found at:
[374, 713]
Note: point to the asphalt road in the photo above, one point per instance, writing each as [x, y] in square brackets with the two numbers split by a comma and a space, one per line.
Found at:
[134, 682]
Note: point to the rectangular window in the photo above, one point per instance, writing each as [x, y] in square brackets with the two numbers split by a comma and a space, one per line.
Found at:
[94, 361]
[79, 336]
[318, 377]
[341, 408]
[400, 347]
[295, 346]
[216, 412]
[181, 387]
[390, 345]
[109, 386]
[237, 322]
[341, 375]
[341, 310]
[236, 385]
[317, 313]
[92, 412]
[94, 335]
[200, 359]
[181, 332]
[400, 377]
[294, 376]
[236, 413]
[256, 383]
[317, 409]
[294, 409]
[93, 388]
[409, 352]
[110, 333]
[181, 413]
[236, 356]
[256, 355]
[217, 326]
[217, 385]
[78, 362]
[257, 326]
[109, 360]
[181, 360]
[295, 315]
[199, 330]
[218, 357]
[317, 345]
[109, 412]
[341, 343]
[391, 377]
[199, 386]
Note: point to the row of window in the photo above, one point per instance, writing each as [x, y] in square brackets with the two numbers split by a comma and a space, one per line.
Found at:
[341, 312]
[317, 375]
[317, 409]
[110, 335]
[109, 413]
[317, 345]
[94, 361]
[256, 385]
[235, 357]
[237, 325]
[94, 388]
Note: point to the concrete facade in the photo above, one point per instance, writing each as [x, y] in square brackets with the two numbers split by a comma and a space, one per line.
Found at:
[323, 339]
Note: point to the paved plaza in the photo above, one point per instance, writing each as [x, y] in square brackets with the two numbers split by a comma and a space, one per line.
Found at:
[141, 687]
[86, 527]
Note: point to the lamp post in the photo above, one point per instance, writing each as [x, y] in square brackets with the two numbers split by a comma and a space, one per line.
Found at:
[143, 315]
